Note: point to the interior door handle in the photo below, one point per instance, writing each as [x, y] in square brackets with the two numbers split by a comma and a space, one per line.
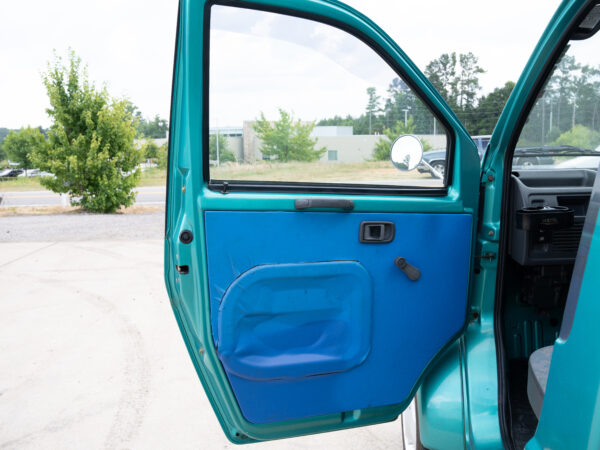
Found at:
[314, 203]
[411, 271]
[371, 232]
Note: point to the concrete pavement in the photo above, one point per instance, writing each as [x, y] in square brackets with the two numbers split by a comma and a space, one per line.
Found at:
[92, 357]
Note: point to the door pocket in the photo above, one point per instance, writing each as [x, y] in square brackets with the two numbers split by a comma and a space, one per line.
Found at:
[290, 321]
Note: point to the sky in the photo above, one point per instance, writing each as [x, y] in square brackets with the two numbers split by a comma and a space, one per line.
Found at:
[128, 44]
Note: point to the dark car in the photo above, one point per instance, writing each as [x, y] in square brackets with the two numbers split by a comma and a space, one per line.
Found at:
[436, 159]
[523, 157]
[10, 173]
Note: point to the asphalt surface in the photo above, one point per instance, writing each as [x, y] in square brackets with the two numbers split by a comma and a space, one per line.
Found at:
[91, 354]
[81, 227]
[152, 195]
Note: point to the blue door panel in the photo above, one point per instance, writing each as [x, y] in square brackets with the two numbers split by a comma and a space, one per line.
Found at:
[308, 321]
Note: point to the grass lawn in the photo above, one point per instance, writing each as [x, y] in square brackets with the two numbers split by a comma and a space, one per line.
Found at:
[153, 177]
[21, 184]
[324, 172]
[150, 177]
[314, 172]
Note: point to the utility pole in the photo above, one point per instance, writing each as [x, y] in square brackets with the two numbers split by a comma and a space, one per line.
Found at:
[406, 115]
[217, 139]
[543, 120]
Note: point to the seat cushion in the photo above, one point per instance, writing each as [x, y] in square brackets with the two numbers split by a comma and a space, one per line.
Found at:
[537, 377]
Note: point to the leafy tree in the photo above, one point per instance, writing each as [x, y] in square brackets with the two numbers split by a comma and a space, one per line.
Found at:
[90, 149]
[579, 136]
[571, 97]
[225, 154]
[3, 133]
[156, 128]
[347, 121]
[373, 106]
[150, 149]
[489, 108]
[286, 139]
[20, 145]
[442, 74]
[457, 80]
[162, 156]
[468, 81]
[383, 146]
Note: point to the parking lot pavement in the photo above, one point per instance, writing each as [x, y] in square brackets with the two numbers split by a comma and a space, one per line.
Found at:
[92, 357]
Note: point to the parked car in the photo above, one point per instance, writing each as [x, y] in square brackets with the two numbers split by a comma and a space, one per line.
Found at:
[469, 305]
[30, 173]
[525, 156]
[10, 173]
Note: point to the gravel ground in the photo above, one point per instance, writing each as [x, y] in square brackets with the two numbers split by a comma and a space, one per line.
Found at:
[81, 227]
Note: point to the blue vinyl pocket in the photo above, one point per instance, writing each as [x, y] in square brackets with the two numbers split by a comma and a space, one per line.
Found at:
[288, 321]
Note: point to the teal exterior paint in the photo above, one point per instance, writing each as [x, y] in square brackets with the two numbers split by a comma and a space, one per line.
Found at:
[571, 411]
[440, 403]
[189, 197]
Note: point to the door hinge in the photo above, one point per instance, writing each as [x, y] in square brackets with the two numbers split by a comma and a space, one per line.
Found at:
[489, 256]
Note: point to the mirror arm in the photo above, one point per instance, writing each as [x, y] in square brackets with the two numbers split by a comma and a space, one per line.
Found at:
[433, 171]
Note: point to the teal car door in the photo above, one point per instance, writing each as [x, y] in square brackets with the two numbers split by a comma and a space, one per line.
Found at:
[313, 282]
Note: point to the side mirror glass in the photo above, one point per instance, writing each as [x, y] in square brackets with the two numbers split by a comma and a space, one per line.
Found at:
[407, 153]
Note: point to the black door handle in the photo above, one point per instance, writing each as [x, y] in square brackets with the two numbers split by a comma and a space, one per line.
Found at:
[371, 232]
[314, 203]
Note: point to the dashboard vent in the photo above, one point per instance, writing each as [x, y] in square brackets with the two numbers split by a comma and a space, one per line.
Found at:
[567, 240]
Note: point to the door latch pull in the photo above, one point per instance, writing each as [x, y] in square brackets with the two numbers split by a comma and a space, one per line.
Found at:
[410, 271]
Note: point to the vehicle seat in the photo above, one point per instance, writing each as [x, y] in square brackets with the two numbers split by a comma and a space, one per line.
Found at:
[537, 377]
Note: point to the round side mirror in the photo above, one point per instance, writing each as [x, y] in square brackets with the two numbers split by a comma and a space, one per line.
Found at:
[407, 152]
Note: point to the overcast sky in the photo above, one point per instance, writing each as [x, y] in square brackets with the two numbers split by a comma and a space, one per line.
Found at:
[128, 44]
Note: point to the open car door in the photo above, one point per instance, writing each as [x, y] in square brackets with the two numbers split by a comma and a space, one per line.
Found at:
[314, 283]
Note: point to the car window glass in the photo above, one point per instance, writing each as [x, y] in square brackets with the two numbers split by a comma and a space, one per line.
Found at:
[292, 100]
[563, 128]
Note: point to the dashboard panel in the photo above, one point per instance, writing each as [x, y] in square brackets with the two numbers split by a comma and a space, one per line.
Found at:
[551, 194]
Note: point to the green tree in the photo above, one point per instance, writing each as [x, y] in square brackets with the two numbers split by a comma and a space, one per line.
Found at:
[20, 145]
[225, 154]
[579, 136]
[381, 152]
[162, 156]
[489, 108]
[442, 73]
[373, 107]
[153, 129]
[150, 149]
[286, 139]
[3, 133]
[456, 77]
[156, 128]
[91, 150]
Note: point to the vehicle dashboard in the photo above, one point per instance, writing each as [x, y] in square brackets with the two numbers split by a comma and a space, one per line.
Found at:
[557, 200]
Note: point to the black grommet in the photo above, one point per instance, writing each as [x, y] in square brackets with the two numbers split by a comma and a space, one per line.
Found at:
[186, 236]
